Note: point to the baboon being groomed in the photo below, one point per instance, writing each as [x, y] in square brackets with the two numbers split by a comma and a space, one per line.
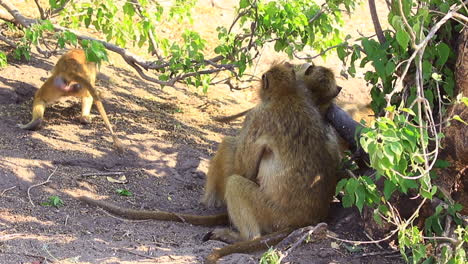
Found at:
[284, 174]
[321, 89]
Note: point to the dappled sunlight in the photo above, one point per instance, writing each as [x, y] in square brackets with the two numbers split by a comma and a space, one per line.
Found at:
[14, 165]
[7, 216]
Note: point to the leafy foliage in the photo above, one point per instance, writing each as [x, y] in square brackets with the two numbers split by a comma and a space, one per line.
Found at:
[270, 257]
[290, 25]
[403, 146]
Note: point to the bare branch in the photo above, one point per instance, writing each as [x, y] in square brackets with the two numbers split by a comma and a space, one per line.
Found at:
[285, 247]
[376, 22]
[7, 41]
[39, 184]
[24, 21]
[41, 11]
[321, 53]
[7, 17]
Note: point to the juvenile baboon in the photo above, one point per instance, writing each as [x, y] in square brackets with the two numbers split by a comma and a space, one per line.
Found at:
[73, 75]
[321, 85]
[321, 89]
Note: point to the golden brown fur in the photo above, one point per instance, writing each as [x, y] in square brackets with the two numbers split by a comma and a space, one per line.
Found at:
[320, 82]
[321, 88]
[282, 177]
[73, 75]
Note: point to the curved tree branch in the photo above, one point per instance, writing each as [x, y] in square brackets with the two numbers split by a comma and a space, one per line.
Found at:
[7, 41]
[376, 22]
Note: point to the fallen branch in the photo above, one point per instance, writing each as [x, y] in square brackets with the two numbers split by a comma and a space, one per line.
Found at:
[7, 41]
[285, 247]
[39, 184]
[357, 242]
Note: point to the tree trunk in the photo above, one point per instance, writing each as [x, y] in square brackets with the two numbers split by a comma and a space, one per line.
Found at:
[455, 144]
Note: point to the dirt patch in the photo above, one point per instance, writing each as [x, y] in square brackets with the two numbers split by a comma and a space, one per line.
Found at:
[169, 136]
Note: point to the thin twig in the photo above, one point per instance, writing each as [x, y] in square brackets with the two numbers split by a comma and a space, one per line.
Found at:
[380, 253]
[305, 231]
[110, 173]
[39, 184]
[6, 190]
[365, 242]
[321, 53]
[136, 253]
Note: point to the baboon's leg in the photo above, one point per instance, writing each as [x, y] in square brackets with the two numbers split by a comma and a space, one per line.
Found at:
[86, 104]
[221, 166]
[248, 209]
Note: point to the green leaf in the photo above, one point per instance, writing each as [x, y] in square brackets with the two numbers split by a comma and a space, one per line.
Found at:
[340, 185]
[243, 3]
[444, 7]
[340, 50]
[389, 188]
[348, 200]
[458, 118]
[377, 217]
[409, 111]
[353, 248]
[129, 9]
[441, 164]
[123, 192]
[3, 60]
[443, 52]
[390, 68]
[465, 100]
[402, 38]
[360, 197]
[351, 185]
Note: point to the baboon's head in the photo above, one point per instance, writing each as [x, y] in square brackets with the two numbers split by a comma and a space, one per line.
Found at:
[320, 82]
[279, 80]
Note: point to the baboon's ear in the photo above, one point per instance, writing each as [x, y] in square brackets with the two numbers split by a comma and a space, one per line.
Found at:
[309, 69]
[265, 84]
